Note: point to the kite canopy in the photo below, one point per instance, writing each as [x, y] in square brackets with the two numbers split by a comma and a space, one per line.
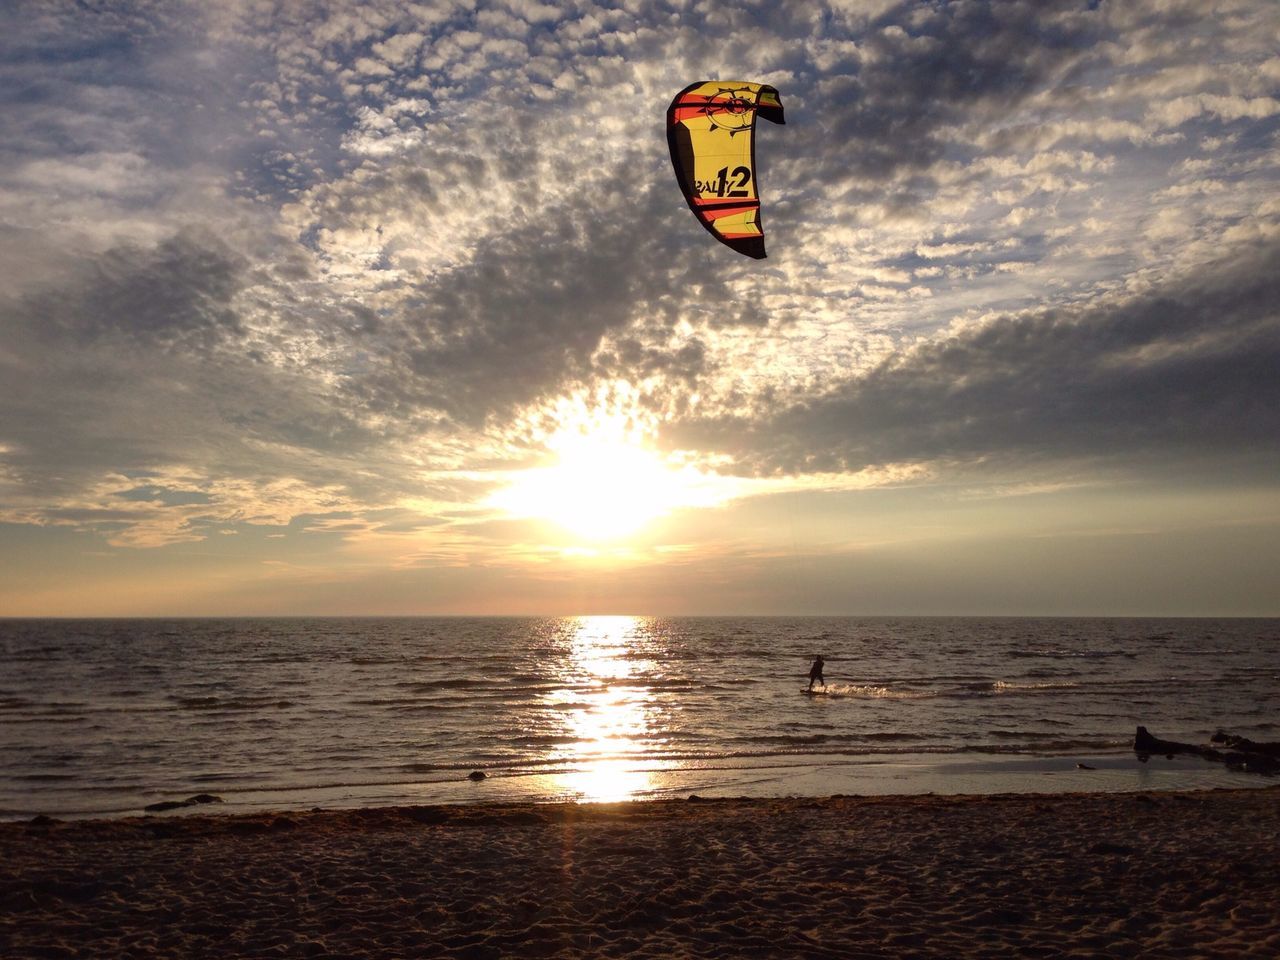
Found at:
[711, 131]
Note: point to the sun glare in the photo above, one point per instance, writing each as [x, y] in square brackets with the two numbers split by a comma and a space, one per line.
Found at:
[603, 486]
[609, 737]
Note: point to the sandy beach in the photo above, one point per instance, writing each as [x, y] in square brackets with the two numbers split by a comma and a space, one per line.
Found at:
[1190, 874]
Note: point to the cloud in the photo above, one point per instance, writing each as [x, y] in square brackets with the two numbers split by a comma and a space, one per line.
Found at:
[166, 297]
[1175, 374]
[140, 367]
[356, 251]
[892, 103]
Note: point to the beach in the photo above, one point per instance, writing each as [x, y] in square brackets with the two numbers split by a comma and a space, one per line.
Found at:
[1177, 874]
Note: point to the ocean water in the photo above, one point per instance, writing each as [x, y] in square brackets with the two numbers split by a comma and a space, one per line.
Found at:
[102, 717]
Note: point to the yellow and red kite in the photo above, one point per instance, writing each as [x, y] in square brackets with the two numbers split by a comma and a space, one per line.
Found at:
[711, 131]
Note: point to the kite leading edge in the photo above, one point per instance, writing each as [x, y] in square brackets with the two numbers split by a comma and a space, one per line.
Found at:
[711, 132]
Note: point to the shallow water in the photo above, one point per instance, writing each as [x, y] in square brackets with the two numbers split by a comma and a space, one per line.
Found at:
[100, 717]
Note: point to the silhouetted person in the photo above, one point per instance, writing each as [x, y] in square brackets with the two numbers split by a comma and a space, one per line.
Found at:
[815, 672]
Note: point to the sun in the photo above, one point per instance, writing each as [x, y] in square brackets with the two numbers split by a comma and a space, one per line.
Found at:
[604, 485]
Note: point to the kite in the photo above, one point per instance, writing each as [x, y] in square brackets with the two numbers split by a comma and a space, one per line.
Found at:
[711, 132]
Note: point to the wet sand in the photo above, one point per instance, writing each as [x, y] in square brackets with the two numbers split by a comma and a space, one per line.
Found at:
[1152, 875]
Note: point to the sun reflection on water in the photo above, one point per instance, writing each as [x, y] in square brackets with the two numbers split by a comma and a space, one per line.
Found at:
[610, 732]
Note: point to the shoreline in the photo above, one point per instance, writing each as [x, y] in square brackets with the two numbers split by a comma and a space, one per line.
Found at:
[761, 777]
[1159, 873]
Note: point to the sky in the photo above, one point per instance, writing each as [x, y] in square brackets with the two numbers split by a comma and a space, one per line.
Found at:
[396, 308]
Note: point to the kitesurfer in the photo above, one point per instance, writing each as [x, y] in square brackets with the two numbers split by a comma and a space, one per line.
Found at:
[815, 672]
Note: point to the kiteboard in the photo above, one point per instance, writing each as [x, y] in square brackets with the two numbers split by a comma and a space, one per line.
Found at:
[815, 693]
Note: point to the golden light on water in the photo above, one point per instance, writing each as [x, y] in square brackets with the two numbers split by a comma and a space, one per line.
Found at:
[609, 733]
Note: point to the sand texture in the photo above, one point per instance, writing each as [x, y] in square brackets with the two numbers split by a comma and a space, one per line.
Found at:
[1141, 875]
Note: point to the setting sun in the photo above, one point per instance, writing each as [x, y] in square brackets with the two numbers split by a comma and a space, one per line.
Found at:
[604, 486]
[598, 490]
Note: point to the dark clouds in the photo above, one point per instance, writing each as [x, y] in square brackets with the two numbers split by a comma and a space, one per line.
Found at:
[140, 365]
[1179, 373]
[922, 69]
[526, 318]
[176, 295]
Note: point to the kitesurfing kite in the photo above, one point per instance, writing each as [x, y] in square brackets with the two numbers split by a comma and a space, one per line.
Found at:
[711, 128]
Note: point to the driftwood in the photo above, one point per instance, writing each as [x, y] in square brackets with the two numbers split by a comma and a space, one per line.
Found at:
[1240, 753]
[176, 804]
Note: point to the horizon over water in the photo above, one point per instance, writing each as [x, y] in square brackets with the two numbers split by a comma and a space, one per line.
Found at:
[100, 717]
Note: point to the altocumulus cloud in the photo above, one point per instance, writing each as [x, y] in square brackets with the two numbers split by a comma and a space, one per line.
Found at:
[263, 263]
[1178, 377]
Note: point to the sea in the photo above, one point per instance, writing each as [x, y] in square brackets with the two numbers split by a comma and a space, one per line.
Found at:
[102, 718]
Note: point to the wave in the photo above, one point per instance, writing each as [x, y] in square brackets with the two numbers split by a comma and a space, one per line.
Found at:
[44, 777]
[42, 718]
[1061, 653]
[876, 692]
[1015, 686]
[231, 703]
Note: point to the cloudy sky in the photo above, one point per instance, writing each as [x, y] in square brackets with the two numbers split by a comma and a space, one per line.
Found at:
[395, 307]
